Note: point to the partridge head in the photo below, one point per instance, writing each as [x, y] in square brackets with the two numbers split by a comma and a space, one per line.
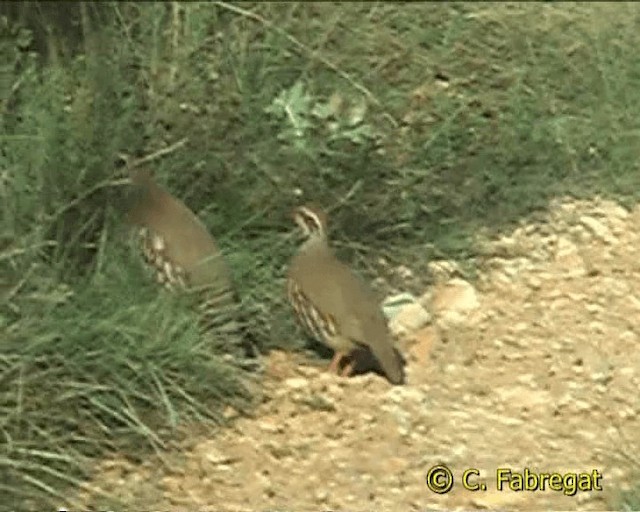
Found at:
[333, 303]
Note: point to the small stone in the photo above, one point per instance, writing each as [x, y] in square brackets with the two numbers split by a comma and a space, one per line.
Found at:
[634, 301]
[321, 496]
[391, 306]
[297, 383]
[496, 500]
[368, 418]
[511, 422]
[443, 270]
[552, 444]
[528, 379]
[455, 300]
[409, 319]
[593, 308]
[534, 283]
[400, 395]
[598, 229]
[568, 259]
[601, 377]
[269, 425]
[519, 327]
[513, 356]
[627, 413]
[601, 389]
[583, 406]
[217, 458]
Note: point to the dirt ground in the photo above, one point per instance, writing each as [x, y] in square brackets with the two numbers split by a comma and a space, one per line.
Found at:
[536, 365]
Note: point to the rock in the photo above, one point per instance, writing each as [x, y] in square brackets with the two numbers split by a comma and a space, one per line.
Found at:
[519, 327]
[443, 270]
[509, 247]
[296, 383]
[410, 318]
[270, 424]
[455, 300]
[597, 228]
[534, 283]
[493, 499]
[568, 259]
[582, 405]
[401, 394]
[391, 306]
[321, 496]
[212, 454]
[404, 272]
[615, 210]
[523, 397]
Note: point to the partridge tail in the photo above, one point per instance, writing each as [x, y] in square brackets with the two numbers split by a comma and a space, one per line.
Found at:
[222, 316]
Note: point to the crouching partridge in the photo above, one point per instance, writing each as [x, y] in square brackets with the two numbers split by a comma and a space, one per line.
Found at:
[178, 247]
[334, 304]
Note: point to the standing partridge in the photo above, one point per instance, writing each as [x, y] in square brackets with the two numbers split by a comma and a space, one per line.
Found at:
[334, 304]
[177, 245]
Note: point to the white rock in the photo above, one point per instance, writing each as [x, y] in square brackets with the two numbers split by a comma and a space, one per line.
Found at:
[442, 270]
[391, 306]
[598, 229]
[409, 319]
[455, 300]
[296, 383]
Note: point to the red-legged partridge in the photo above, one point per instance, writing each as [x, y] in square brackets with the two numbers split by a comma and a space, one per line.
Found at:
[334, 304]
[177, 245]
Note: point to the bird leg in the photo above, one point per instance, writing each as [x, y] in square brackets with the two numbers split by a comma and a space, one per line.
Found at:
[348, 369]
[335, 362]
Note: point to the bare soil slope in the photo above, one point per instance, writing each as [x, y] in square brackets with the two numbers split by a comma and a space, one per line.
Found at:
[536, 366]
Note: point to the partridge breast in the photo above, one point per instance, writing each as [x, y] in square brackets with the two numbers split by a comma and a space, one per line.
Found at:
[321, 326]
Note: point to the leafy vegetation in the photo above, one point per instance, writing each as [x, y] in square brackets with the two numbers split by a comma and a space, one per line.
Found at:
[416, 125]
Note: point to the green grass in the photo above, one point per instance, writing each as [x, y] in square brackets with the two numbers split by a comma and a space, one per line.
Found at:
[629, 501]
[415, 124]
